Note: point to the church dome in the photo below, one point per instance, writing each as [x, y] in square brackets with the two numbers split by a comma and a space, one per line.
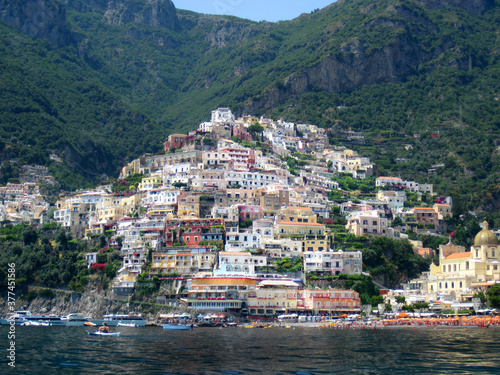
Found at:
[485, 237]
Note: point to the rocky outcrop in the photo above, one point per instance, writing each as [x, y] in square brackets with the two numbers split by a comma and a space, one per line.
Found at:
[347, 70]
[156, 13]
[44, 19]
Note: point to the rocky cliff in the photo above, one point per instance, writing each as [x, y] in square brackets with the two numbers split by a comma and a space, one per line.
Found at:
[156, 13]
[44, 19]
[357, 64]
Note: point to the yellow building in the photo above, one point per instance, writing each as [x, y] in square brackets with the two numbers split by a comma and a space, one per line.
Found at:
[274, 297]
[459, 273]
[181, 263]
[109, 215]
[293, 229]
[315, 244]
[219, 293]
[149, 183]
[443, 210]
[297, 215]
[282, 296]
[189, 206]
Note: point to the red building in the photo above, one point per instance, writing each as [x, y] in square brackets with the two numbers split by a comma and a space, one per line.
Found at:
[177, 141]
[192, 231]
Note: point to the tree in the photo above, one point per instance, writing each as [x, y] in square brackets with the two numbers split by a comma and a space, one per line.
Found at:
[255, 129]
[421, 305]
[375, 300]
[481, 296]
[400, 299]
[397, 222]
[494, 296]
[30, 235]
[119, 240]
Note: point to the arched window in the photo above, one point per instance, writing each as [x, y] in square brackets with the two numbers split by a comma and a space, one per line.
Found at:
[460, 284]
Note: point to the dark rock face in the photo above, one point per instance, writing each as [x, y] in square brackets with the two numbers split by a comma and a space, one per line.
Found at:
[346, 71]
[473, 6]
[44, 19]
[157, 13]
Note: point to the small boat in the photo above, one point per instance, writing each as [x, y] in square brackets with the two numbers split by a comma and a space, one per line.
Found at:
[177, 327]
[36, 324]
[120, 324]
[89, 324]
[112, 320]
[97, 333]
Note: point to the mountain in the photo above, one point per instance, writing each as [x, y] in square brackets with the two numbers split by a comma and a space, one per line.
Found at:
[100, 82]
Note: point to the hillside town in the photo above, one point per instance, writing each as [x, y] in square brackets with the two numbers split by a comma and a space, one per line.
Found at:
[222, 205]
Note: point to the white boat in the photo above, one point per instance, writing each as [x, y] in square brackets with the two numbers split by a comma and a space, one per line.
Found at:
[36, 324]
[177, 327]
[75, 319]
[120, 324]
[25, 316]
[112, 320]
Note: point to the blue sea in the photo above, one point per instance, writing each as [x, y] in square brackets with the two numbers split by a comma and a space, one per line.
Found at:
[151, 350]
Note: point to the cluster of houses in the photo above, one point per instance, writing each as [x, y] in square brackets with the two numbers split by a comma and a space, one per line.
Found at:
[215, 212]
[23, 203]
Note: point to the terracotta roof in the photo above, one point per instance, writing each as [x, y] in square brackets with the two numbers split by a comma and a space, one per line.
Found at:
[423, 208]
[299, 208]
[392, 178]
[458, 255]
[234, 253]
[294, 223]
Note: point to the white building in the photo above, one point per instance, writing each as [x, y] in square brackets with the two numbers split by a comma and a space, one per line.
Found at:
[238, 242]
[222, 115]
[367, 222]
[348, 262]
[239, 263]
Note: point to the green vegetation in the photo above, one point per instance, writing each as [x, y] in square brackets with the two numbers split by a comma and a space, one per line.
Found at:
[493, 294]
[289, 265]
[392, 261]
[37, 261]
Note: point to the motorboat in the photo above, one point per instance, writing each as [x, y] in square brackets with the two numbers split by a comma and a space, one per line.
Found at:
[112, 320]
[120, 324]
[177, 327]
[75, 319]
[20, 317]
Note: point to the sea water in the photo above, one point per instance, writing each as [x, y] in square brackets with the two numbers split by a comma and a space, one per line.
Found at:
[151, 350]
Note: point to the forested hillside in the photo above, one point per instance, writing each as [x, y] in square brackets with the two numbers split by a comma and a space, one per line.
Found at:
[99, 83]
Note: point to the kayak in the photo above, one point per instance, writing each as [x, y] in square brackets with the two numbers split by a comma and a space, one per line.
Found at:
[97, 333]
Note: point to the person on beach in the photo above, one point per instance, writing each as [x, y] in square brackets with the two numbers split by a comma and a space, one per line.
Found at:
[104, 328]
